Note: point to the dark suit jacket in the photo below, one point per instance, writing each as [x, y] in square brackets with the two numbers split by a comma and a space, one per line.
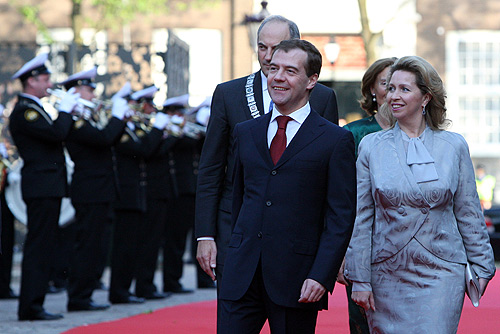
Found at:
[297, 216]
[230, 107]
[93, 179]
[39, 141]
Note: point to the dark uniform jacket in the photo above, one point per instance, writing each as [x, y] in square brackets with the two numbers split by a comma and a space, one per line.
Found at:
[184, 160]
[39, 140]
[131, 151]
[159, 178]
[93, 179]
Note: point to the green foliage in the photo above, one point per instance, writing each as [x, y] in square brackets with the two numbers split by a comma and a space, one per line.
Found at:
[112, 14]
[31, 15]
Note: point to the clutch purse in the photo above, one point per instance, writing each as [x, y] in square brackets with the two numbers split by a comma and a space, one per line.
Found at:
[472, 285]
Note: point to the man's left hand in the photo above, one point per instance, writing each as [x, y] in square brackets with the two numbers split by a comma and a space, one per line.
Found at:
[311, 291]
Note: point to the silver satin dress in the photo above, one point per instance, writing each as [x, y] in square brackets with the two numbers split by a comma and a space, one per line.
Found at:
[410, 241]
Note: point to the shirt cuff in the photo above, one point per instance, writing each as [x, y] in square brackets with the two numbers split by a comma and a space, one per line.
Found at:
[361, 286]
[205, 238]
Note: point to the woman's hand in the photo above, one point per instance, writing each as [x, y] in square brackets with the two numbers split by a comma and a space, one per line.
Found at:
[364, 299]
[340, 276]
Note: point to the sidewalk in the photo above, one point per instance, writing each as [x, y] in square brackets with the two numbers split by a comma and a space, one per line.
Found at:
[56, 303]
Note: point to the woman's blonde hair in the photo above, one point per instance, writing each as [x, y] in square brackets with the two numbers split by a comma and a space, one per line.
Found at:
[429, 82]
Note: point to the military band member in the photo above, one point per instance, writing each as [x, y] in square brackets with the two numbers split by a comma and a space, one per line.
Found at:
[183, 161]
[92, 192]
[137, 143]
[159, 193]
[39, 140]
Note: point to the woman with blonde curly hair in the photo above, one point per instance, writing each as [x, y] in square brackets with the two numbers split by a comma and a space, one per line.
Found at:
[419, 221]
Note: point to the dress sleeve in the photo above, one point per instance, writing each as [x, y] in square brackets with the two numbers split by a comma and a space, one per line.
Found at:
[469, 216]
[358, 257]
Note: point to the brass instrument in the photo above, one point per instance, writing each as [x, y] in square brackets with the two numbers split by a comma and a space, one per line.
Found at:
[181, 126]
[59, 94]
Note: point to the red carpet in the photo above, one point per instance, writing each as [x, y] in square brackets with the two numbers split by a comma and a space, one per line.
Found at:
[199, 318]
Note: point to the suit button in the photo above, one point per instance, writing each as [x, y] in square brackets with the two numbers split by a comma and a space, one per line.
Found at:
[274, 172]
[269, 203]
[424, 210]
[259, 235]
[401, 210]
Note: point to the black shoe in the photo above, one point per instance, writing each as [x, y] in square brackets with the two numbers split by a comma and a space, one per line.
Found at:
[127, 300]
[55, 289]
[179, 290]
[157, 295]
[9, 295]
[91, 306]
[42, 315]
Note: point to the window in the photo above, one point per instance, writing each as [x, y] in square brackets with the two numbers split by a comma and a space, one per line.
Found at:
[473, 87]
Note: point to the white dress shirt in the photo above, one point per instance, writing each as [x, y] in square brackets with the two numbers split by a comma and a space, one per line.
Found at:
[266, 98]
[298, 117]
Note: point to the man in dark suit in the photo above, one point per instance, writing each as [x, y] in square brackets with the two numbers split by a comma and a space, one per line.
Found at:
[234, 102]
[39, 140]
[294, 203]
[92, 191]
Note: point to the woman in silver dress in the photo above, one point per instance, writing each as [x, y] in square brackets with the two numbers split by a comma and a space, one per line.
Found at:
[418, 214]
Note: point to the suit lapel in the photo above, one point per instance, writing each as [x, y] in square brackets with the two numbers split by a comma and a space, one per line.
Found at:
[312, 127]
[259, 134]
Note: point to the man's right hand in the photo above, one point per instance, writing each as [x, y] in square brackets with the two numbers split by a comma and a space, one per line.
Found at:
[206, 255]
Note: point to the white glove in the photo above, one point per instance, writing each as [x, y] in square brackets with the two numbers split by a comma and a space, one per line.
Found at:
[129, 113]
[161, 120]
[69, 101]
[3, 151]
[13, 178]
[177, 119]
[120, 107]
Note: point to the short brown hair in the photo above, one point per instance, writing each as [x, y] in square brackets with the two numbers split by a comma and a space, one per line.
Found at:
[314, 59]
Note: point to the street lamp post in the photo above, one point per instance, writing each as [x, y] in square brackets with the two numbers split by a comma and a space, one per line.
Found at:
[252, 23]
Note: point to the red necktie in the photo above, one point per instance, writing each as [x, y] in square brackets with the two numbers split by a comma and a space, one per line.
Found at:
[278, 144]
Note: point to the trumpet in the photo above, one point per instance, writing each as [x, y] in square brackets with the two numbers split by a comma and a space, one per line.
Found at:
[59, 94]
[180, 126]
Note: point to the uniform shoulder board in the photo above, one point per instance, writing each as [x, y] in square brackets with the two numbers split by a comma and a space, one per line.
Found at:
[31, 115]
[125, 138]
[78, 124]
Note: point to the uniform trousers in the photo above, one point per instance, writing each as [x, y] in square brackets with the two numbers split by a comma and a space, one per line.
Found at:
[150, 236]
[92, 229]
[124, 253]
[38, 253]
[179, 220]
[248, 314]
